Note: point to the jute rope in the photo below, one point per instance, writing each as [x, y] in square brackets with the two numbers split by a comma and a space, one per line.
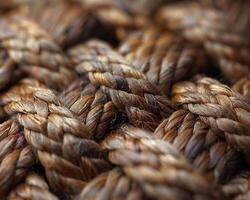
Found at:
[16, 157]
[127, 87]
[37, 55]
[34, 187]
[225, 111]
[60, 141]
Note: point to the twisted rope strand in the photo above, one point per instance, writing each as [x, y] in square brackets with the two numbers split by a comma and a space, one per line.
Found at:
[34, 187]
[32, 48]
[93, 107]
[67, 23]
[60, 141]
[225, 111]
[209, 153]
[162, 56]
[155, 165]
[224, 30]
[238, 187]
[16, 157]
[127, 87]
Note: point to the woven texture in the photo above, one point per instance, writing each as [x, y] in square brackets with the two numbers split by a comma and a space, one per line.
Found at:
[224, 29]
[32, 48]
[60, 140]
[225, 111]
[124, 99]
[208, 152]
[158, 169]
[67, 23]
[6, 70]
[127, 87]
[163, 57]
[238, 187]
[16, 157]
[34, 187]
[179, 16]
[97, 111]
[243, 87]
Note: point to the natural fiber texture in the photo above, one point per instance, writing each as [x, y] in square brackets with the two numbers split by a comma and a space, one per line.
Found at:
[117, 24]
[209, 153]
[32, 48]
[23, 90]
[92, 106]
[225, 111]
[16, 157]
[163, 57]
[127, 87]
[112, 185]
[34, 187]
[67, 23]
[7, 68]
[102, 100]
[60, 141]
[239, 187]
[224, 29]
[243, 87]
[156, 166]
[179, 16]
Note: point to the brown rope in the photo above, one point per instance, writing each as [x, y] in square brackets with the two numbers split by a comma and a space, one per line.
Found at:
[225, 111]
[7, 68]
[179, 16]
[66, 22]
[92, 106]
[117, 23]
[207, 152]
[35, 52]
[34, 187]
[112, 185]
[243, 87]
[127, 87]
[60, 141]
[23, 90]
[224, 29]
[239, 187]
[162, 56]
[16, 157]
[156, 166]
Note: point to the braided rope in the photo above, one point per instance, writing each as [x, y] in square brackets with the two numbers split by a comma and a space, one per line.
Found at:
[155, 166]
[207, 152]
[112, 185]
[243, 87]
[23, 90]
[179, 16]
[16, 157]
[224, 30]
[238, 187]
[61, 142]
[34, 187]
[225, 111]
[127, 87]
[163, 57]
[6, 70]
[32, 48]
[67, 23]
[92, 106]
